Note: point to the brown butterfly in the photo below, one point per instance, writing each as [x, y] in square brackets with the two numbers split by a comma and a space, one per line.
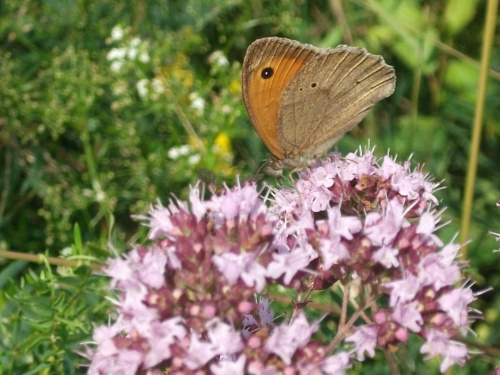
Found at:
[301, 99]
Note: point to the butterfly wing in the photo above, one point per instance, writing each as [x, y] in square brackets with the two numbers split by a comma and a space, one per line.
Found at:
[269, 65]
[329, 96]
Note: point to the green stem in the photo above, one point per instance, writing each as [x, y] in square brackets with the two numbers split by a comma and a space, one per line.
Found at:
[491, 17]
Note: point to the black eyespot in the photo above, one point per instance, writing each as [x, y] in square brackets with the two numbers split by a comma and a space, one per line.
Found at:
[313, 85]
[267, 73]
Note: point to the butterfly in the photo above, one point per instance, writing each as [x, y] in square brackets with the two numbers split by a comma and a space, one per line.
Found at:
[301, 99]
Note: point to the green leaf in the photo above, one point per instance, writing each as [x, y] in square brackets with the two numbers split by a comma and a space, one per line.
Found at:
[463, 77]
[458, 14]
[38, 369]
[11, 271]
[77, 240]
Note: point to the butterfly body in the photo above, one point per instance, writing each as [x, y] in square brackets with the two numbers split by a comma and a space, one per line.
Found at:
[302, 99]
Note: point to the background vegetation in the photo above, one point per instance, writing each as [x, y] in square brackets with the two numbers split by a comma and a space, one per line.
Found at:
[106, 106]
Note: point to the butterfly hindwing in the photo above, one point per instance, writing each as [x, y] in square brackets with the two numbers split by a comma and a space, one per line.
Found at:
[329, 96]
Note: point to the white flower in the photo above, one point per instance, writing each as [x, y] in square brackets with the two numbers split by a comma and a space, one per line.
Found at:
[197, 103]
[116, 65]
[120, 88]
[116, 54]
[144, 57]
[134, 43]
[142, 87]
[157, 86]
[117, 33]
[218, 58]
[66, 251]
[175, 152]
[132, 53]
[194, 159]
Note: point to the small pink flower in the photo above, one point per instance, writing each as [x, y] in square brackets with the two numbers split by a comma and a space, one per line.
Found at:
[382, 229]
[408, 316]
[364, 340]
[288, 264]
[386, 256]
[244, 266]
[152, 271]
[266, 314]
[438, 344]
[342, 225]
[199, 352]
[403, 290]
[287, 338]
[333, 251]
[455, 304]
[336, 364]
[320, 178]
[434, 271]
[160, 337]
[228, 367]
[227, 339]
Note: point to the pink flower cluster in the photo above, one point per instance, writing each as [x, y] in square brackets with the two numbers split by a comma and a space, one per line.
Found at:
[497, 235]
[192, 302]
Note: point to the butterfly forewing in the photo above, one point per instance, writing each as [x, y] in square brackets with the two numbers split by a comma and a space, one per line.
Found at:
[269, 65]
[329, 96]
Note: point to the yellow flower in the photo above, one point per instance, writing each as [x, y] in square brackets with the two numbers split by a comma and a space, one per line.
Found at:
[179, 70]
[222, 144]
[235, 86]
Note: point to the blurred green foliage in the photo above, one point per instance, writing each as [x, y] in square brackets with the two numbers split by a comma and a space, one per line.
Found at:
[106, 106]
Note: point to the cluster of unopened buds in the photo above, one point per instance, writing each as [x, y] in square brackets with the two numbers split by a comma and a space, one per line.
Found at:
[199, 298]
